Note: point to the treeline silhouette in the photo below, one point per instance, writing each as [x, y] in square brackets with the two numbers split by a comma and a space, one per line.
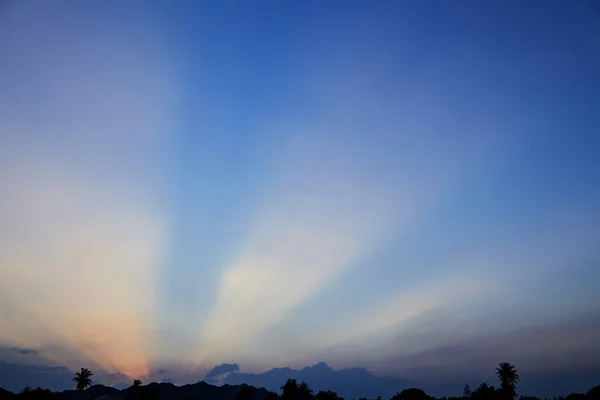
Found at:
[507, 374]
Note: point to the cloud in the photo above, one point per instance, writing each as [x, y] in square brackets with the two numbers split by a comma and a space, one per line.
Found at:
[221, 370]
[24, 350]
[18, 350]
[407, 308]
[82, 120]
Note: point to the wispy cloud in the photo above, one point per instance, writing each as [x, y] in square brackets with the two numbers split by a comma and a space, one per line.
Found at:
[25, 351]
[406, 309]
[10, 352]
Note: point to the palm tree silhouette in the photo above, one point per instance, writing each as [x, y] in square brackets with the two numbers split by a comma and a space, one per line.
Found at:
[82, 379]
[508, 376]
[137, 382]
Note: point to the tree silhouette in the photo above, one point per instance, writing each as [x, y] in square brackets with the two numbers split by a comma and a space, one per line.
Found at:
[137, 382]
[508, 376]
[272, 396]
[304, 391]
[293, 391]
[327, 395]
[467, 392]
[290, 390]
[28, 393]
[83, 379]
[484, 392]
[594, 393]
[411, 394]
[27, 389]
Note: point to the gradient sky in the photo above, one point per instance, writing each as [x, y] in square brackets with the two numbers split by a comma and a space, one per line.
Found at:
[401, 186]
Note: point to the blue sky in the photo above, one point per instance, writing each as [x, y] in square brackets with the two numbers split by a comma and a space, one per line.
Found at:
[280, 183]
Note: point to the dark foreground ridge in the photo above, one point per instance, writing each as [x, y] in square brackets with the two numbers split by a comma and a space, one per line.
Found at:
[291, 390]
[507, 374]
[152, 391]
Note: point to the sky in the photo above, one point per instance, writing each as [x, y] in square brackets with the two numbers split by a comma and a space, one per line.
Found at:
[412, 188]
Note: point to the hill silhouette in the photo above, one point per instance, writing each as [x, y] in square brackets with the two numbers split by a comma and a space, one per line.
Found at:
[291, 390]
[152, 391]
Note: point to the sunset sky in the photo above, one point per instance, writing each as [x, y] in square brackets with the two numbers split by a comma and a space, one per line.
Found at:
[412, 187]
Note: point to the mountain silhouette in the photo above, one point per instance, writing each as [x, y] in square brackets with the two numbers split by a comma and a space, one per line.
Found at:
[349, 383]
[92, 392]
[203, 390]
[157, 391]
